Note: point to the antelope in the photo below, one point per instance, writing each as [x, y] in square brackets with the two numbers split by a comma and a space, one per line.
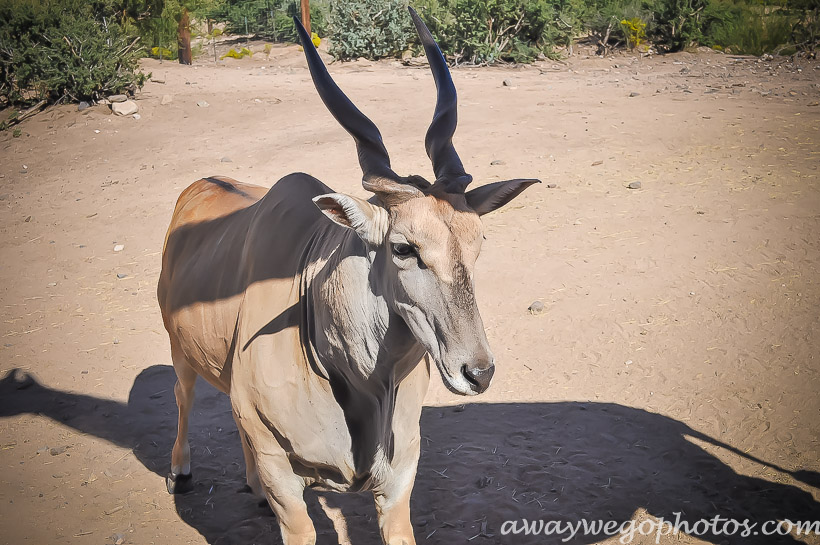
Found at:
[318, 312]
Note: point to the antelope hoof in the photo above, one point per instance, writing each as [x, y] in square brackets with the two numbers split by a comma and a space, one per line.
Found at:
[179, 483]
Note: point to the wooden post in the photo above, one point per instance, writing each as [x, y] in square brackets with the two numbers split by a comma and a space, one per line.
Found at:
[184, 38]
[306, 15]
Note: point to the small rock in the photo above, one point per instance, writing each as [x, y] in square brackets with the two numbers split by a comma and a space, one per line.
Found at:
[537, 307]
[597, 163]
[166, 99]
[507, 83]
[226, 160]
[52, 284]
[28, 219]
[122, 275]
[136, 116]
[96, 131]
[116, 340]
[628, 362]
[202, 104]
[124, 108]
[552, 185]
[118, 98]
[119, 248]
[56, 451]
[497, 162]
[634, 185]
[691, 293]
[634, 94]
[83, 106]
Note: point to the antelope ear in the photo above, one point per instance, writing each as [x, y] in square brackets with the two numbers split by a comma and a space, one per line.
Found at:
[493, 196]
[368, 220]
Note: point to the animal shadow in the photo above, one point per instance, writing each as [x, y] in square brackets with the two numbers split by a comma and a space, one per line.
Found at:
[481, 465]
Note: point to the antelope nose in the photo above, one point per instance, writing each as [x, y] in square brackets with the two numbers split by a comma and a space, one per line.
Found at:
[479, 377]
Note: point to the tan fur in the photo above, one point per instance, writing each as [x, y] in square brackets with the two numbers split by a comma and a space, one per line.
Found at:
[316, 329]
[443, 228]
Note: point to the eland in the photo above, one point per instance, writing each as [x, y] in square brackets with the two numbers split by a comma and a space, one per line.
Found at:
[318, 313]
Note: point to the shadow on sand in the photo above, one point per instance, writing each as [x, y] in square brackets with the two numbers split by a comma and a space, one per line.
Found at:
[481, 464]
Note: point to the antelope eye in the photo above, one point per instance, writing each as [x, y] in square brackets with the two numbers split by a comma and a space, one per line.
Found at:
[403, 250]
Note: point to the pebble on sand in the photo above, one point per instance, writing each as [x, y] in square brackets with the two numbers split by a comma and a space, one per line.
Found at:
[119, 248]
[634, 185]
[124, 108]
[537, 307]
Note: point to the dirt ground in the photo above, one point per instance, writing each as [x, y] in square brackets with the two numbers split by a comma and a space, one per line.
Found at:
[674, 369]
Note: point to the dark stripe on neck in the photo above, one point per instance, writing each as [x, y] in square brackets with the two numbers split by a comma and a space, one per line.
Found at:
[227, 186]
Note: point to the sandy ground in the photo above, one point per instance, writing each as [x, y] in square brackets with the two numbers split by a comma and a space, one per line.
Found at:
[674, 370]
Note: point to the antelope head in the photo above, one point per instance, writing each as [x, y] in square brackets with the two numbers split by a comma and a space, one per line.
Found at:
[423, 238]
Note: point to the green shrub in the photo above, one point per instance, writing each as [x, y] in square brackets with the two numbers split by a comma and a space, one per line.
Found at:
[619, 23]
[473, 31]
[60, 49]
[806, 25]
[678, 23]
[493, 30]
[269, 19]
[512, 30]
[750, 30]
[370, 29]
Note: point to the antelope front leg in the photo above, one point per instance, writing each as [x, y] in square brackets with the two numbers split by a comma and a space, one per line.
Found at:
[394, 515]
[285, 494]
[251, 475]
